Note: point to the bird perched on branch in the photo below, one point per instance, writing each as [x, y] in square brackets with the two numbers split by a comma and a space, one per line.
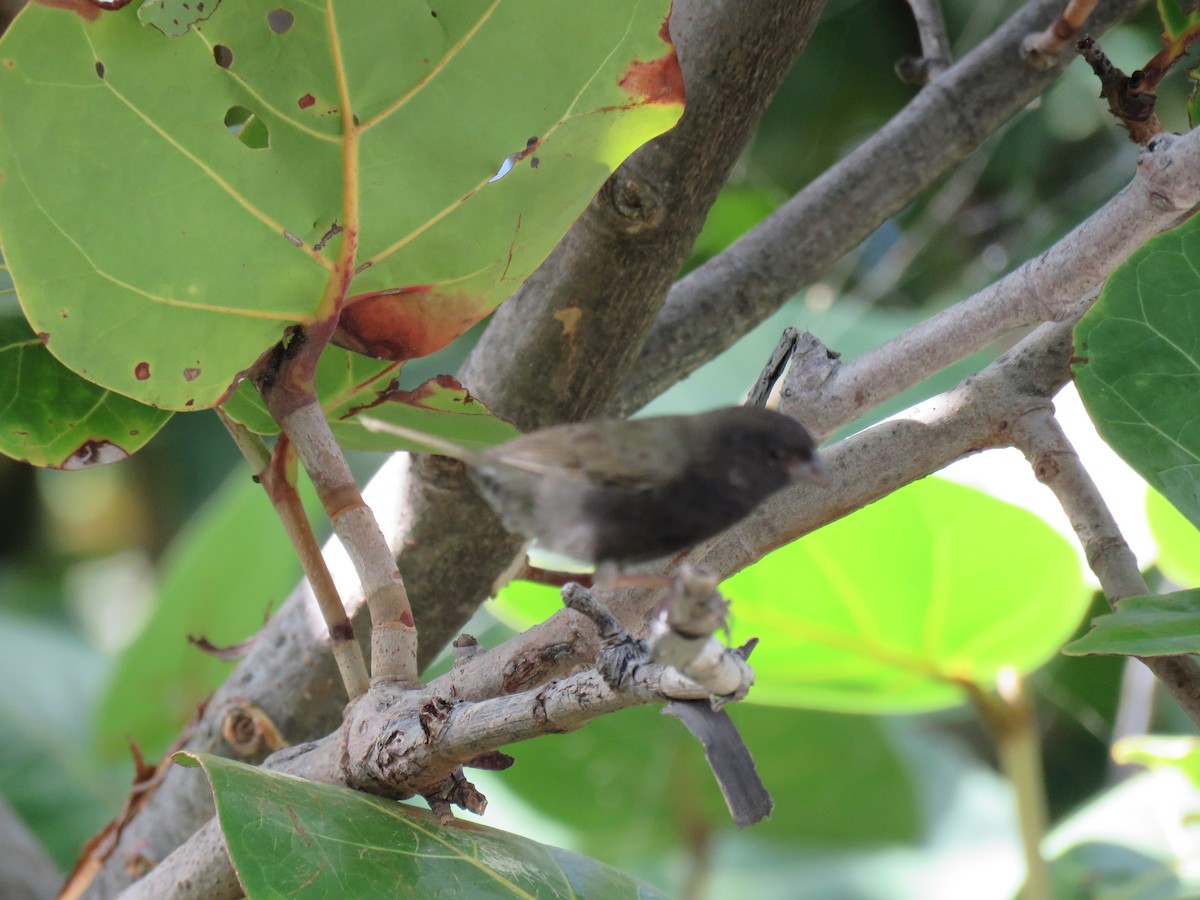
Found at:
[625, 491]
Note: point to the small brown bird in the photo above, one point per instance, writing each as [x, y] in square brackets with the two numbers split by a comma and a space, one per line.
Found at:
[626, 491]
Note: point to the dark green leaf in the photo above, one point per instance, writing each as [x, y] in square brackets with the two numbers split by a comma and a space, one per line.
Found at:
[1159, 625]
[289, 837]
[53, 418]
[1138, 364]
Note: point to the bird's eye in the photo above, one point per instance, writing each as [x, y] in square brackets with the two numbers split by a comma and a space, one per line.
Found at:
[778, 453]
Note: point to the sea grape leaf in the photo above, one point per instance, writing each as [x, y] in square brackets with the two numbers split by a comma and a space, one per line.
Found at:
[1138, 364]
[896, 607]
[175, 17]
[290, 837]
[1177, 538]
[1155, 751]
[349, 384]
[1156, 625]
[53, 418]
[161, 254]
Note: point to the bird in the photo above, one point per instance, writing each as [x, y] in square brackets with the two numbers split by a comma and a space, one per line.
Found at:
[626, 491]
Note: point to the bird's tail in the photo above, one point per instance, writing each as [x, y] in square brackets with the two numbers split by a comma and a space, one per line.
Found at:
[425, 443]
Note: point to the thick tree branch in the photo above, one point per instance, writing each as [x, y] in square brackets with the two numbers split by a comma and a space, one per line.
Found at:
[555, 350]
[394, 741]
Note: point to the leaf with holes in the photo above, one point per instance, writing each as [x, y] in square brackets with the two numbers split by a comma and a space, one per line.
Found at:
[287, 836]
[53, 418]
[1137, 364]
[170, 206]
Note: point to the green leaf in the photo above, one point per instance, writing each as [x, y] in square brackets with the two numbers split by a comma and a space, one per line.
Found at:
[1157, 751]
[1138, 364]
[289, 837]
[55, 419]
[1157, 625]
[1175, 21]
[640, 785]
[893, 608]
[222, 573]
[349, 384]
[1177, 538]
[162, 250]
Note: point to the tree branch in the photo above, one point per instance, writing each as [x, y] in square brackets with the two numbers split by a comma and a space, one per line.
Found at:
[1057, 465]
[1047, 288]
[717, 303]
[935, 45]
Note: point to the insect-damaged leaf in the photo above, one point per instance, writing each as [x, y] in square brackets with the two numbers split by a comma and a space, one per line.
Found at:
[187, 199]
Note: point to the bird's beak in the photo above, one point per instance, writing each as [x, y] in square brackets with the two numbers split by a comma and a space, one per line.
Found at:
[814, 471]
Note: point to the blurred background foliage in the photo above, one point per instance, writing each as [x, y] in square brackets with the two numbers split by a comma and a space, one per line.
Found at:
[92, 562]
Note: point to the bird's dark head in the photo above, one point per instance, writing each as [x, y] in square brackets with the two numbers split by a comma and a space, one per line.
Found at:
[763, 450]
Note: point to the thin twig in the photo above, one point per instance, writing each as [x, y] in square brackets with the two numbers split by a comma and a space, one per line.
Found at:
[935, 46]
[393, 634]
[1043, 48]
[1057, 465]
[276, 473]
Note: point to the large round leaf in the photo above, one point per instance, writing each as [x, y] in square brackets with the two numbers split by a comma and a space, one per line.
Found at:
[1138, 364]
[898, 606]
[170, 205]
